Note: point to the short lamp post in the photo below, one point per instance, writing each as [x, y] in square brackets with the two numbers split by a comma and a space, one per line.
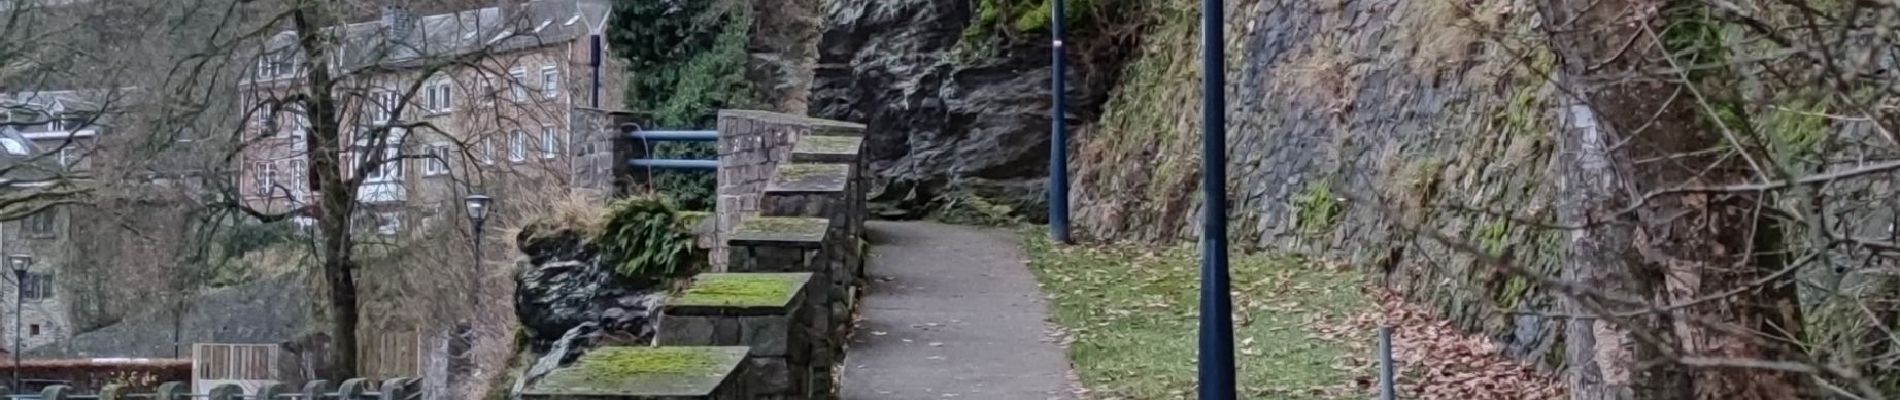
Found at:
[477, 206]
[19, 263]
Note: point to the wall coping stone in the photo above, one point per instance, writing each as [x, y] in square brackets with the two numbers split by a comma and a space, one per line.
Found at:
[756, 230]
[820, 124]
[641, 371]
[809, 178]
[743, 293]
[827, 149]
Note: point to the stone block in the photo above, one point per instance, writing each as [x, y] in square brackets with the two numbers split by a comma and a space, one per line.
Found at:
[768, 336]
[827, 149]
[649, 373]
[809, 178]
[772, 376]
[780, 231]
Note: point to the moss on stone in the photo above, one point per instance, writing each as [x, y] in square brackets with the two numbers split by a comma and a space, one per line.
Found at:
[638, 371]
[827, 144]
[784, 225]
[809, 177]
[780, 229]
[1493, 237]
[1318, 209]
[740, 289]
[621, 362]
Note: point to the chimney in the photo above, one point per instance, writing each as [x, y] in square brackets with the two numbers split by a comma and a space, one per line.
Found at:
[399, 25]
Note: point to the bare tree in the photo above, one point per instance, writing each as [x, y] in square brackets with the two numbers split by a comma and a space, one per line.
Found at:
[343, 109]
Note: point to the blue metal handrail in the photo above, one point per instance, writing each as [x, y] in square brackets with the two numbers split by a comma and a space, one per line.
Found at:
[676, 136]
[647, 137]
[675, 164]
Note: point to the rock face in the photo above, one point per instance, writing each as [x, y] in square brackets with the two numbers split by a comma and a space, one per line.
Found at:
[561, 285]
[1350, 125]
[939, 119]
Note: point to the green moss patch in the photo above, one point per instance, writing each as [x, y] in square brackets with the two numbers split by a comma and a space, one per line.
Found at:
[809, 178]
[828, 144]
[762, 230]
[643, 371]
[741, 290]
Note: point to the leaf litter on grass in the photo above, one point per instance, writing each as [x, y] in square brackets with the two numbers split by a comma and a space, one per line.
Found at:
[1303, 330]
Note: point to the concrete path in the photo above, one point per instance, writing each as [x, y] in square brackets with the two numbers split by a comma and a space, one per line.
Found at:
[952, 312]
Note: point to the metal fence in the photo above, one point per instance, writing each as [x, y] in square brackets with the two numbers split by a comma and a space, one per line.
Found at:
[353, 389]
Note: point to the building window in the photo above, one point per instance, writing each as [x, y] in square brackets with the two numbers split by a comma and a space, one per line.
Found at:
[518, 84]
[299, 182]
[34, 330]
[299, 133]
[37, 286]
[488, 151]
[41, 224]
[390, 168]
[441, 96]
[518, 146]
[438, 162]
[384, 107]
[550, 142]
[66, 156]
[550, 82]
[266, 177]
[388, 223]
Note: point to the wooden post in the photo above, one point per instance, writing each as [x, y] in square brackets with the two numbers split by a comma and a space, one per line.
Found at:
[353, 389]
[316, 389]
[225, 392]
[272, 391]
[55, 392]
[173, 390]
[114, 392]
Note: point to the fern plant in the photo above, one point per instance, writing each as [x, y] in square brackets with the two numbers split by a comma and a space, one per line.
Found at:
[644, 238]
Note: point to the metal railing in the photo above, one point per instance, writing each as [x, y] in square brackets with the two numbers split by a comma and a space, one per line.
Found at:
[353, 389]
[645, 140]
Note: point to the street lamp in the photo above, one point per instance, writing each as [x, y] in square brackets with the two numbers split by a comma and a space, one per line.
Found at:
[20, 263]
[477, 206]
[1216, 364]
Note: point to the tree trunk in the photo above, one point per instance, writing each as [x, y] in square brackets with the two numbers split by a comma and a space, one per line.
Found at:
[1683, 248]
[337, 196]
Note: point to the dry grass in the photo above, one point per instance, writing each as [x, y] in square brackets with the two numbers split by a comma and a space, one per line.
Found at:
[1445, 30]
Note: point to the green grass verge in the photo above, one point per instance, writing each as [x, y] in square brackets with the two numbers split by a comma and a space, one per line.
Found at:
[1131, 312]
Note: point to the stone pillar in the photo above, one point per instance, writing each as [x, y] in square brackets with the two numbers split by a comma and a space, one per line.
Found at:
[791, 244]
[762, 311]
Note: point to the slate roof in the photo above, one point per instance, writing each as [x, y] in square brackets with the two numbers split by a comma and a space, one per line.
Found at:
[405, 40]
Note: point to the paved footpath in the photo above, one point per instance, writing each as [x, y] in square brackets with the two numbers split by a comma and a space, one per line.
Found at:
[952, 312]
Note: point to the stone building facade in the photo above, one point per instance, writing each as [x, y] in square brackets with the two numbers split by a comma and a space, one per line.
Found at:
[496, 100]
[49, 136]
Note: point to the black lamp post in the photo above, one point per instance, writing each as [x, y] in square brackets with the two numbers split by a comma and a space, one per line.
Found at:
[477, 206]
[20, 263]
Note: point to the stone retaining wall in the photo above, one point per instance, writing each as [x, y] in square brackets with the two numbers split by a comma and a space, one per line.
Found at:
[751, 145]
[787, 258]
